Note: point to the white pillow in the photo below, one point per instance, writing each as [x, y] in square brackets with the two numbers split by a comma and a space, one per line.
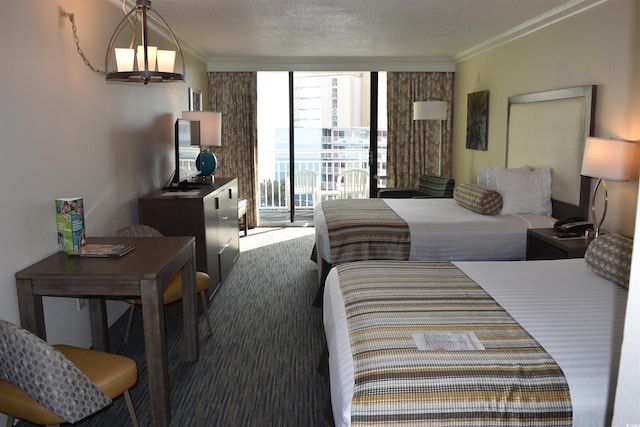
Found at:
[483, 177]
[487, 176]
[524, 192]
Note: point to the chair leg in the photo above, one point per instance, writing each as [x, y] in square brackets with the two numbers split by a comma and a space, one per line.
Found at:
[205, 307]
[132, 411]
[9, 421]
[126, 332]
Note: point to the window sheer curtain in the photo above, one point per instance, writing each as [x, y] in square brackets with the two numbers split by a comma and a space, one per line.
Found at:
[234, 94]
[412, 146]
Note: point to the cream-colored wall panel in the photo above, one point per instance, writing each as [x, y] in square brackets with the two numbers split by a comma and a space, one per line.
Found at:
[597, 47]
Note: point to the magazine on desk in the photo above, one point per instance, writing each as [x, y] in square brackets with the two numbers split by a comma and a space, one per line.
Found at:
[100, 250]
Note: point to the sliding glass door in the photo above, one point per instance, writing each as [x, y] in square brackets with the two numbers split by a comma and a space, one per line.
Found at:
[315, 141]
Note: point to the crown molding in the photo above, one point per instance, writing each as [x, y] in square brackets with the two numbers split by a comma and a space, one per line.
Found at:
[553, 16]
[314, 63]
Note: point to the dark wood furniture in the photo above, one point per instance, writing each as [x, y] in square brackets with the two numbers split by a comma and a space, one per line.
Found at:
[142, 273]
[210, 214]
[543, 243]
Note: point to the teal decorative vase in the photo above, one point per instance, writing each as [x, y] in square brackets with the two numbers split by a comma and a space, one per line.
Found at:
[207, 163]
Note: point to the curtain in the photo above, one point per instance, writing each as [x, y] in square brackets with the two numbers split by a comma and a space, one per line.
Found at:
[234, 95]
[413, 146]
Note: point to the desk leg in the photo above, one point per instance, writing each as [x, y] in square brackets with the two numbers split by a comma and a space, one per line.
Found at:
[190, 310]
[155, 342]
[30, 307]
[99, 325]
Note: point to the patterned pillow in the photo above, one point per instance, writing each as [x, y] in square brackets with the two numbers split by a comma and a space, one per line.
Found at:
[479, 199]
[610, 257]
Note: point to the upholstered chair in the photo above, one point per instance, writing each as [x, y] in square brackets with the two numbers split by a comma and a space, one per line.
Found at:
[51, 385]
[173, 291]
[427, 187]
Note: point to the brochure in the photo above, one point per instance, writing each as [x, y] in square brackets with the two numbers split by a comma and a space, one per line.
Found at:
[70, 223]
[102, 250]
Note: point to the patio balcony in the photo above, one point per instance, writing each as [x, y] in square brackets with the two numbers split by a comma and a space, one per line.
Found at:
[273, 192]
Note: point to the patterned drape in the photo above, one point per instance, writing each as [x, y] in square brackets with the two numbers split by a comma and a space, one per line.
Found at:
[412, 146]
[234, 95]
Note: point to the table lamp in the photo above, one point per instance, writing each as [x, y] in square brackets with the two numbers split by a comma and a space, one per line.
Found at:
[607, 159]
[210, 136]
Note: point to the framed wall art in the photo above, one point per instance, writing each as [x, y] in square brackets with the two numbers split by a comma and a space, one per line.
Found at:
[478, 120]
[195, 99]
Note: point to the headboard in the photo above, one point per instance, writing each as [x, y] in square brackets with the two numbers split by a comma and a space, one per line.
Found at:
[549, 129]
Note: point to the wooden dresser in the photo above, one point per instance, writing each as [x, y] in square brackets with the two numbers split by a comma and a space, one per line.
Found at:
[210, 214]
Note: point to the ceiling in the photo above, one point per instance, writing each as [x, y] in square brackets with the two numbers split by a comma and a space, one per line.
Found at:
[397, 30]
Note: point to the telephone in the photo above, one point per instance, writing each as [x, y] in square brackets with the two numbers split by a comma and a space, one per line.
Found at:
[573, 225]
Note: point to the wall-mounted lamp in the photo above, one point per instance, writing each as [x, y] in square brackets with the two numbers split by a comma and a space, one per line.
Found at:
[607, 159]
[432, 110]
[129, 46]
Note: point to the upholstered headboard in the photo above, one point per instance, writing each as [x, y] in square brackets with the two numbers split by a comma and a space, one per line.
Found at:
[549, 129]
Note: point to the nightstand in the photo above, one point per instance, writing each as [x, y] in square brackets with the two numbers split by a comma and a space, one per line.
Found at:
[543, 243]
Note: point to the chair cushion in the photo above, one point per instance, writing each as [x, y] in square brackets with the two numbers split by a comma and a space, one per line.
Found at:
[436, 185]
[610, 257]
[478, 199]
[173, 291]
[18, 404]
[112, 373]
[242, 208]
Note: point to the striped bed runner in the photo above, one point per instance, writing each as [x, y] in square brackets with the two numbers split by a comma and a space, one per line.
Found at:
[512, 382]
[363, 229]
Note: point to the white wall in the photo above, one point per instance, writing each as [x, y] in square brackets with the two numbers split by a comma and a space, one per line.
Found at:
[627, 409]
[598, 47]
[66, 132]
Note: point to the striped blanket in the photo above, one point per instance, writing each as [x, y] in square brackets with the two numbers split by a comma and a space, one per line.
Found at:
[513, 381]
[365, 229]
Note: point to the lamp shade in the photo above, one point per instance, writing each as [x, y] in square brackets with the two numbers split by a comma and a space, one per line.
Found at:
[210, 126]
[610, 159]
[429, 110]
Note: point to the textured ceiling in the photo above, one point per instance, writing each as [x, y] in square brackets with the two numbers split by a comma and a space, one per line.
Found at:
[425, 29]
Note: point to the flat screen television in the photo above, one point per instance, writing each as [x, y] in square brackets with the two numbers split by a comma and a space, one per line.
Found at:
[187, 148]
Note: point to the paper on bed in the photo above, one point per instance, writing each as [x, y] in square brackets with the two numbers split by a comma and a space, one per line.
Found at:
[447, 341]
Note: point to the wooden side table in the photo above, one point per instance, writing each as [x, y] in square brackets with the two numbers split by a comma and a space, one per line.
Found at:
[543, 243]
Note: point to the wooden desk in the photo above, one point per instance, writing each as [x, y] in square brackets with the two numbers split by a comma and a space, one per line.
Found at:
[142, 274]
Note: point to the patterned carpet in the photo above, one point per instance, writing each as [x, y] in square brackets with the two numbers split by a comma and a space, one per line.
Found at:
[259, 367]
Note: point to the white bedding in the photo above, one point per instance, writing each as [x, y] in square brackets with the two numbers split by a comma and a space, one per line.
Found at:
[442, 230]
[574, 314]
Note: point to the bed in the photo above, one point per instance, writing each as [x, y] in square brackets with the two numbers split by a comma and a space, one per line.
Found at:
[535, 319]
[462, 228]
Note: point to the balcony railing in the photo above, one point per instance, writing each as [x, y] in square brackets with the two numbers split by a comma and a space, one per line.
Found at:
[329, 164]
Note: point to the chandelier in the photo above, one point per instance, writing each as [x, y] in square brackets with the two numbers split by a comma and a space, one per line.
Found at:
[133, 55]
